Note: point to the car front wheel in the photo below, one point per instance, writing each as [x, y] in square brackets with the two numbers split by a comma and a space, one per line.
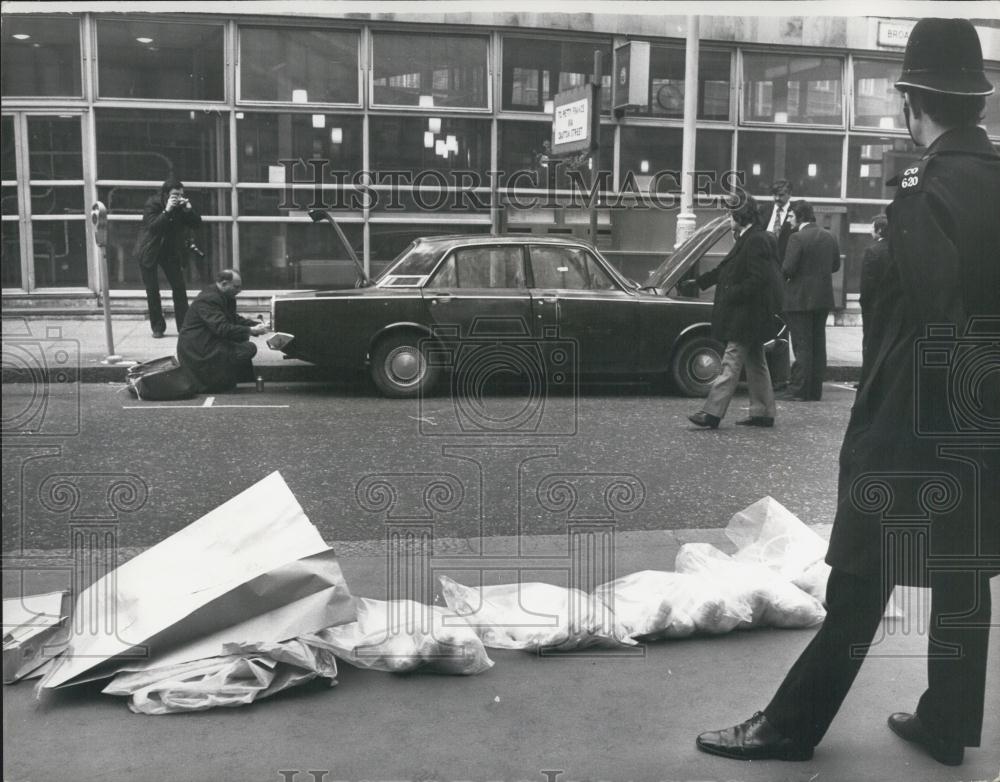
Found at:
[400, 368]
[696, 364]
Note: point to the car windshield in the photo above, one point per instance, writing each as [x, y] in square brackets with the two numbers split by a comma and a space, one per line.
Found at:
[418, 259]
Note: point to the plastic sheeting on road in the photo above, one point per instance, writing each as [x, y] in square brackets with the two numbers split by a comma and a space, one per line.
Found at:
[402, 636]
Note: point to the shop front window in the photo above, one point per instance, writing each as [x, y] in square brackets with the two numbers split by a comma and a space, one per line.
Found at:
[209, 252]
[810, 161]
[873, 160]
[429, 70]
[421, 148]
[785, 89]
[877, 104]
[534, 70]
[160, 60]
[525, 161]
[666, 83]
[297, 255]
[154, 145]
[298, 65]
[263, 140]
[653, 156]
[40, 56]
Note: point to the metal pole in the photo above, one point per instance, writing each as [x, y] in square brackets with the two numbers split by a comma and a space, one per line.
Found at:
[99, 217]
[686, 220]
[595, 153]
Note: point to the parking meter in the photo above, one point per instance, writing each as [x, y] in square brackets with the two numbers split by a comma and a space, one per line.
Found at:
[99, 219]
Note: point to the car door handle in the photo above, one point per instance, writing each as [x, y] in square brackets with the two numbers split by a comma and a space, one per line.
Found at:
[439, 297]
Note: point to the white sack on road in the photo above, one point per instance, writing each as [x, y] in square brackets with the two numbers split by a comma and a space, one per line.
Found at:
[248, 672]
[531, 616]
[402, 636]
[652, 605]
[774, 602]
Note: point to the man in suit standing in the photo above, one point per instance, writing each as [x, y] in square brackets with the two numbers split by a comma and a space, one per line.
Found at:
[810, 259]
[874, 267]
[775, 217]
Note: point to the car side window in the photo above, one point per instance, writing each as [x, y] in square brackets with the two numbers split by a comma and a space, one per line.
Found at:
[482, 267]
[569, 268]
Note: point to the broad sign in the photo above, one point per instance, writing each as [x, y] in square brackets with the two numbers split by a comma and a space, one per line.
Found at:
[573, 120]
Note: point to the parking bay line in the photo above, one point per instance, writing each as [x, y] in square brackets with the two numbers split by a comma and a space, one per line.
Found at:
[202, 407]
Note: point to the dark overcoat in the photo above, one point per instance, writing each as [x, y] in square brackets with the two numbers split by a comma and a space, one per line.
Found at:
[919, 483]
[874, 266]
[164, 235]
[811, 258]
[210, 340]
[747, 290]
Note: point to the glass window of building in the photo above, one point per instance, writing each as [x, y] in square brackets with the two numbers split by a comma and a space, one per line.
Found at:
[263, 140]
[160, 60]
[40, 56]
[993, 103]
[10, 254]
[9, 157]
[298, 65]
[440, 144]
[783, 88]
[155, 145]
[535, 69]
[666, 83]
[653, 156]
[873, 160]
[210, 252]
[877, 104]
[429, 70]
[524, 156]
[810, 161]
[297, 255]
[54, 147]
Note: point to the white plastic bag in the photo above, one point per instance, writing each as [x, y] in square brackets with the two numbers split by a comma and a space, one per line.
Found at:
[654, 604]
[250, 672]
[531, 616]
[402, 636]
[774, 602]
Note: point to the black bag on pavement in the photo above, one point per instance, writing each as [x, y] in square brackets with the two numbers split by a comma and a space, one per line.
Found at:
[161, 379]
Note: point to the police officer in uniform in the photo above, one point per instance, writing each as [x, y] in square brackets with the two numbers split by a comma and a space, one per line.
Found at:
[919, 485]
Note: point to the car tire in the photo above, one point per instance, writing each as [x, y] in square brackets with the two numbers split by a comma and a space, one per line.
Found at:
[400, 368]
[696, 364]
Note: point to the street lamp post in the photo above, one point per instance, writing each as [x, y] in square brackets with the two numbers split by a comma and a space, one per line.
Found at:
[686, 220]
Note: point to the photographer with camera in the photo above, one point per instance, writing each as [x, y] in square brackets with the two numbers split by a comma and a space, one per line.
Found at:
[918, 496]
[167, 219]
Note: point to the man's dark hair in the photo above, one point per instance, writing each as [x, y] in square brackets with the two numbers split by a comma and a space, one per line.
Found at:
[803, 211]
[880, 225]
[744, 209]
[779, 185]
[947, 110]
[170, 184]
[226, 275]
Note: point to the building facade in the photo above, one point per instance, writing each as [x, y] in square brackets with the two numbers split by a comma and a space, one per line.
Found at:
[408, 125]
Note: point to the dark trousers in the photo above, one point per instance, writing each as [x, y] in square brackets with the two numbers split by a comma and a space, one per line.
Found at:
[952, 705]
[175, 276]
[808, 331]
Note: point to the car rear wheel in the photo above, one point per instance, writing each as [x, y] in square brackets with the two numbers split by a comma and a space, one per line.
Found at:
[400, 368]
[696, 364]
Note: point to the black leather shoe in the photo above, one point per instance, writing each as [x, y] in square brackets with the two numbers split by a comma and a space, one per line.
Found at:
[705, 420]
[157, 334]
[757, 420]
[909, 727]
[755, 739]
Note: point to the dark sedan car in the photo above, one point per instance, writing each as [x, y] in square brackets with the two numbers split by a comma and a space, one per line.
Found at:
[551, 307]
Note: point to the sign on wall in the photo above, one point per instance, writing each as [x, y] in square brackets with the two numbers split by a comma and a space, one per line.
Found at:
[894, 33]
[574, 120]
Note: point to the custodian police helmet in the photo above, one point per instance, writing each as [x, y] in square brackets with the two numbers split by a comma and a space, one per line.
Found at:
[944, 55]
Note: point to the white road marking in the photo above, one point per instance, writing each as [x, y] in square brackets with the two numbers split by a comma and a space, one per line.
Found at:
[201, 407]
[209, 401]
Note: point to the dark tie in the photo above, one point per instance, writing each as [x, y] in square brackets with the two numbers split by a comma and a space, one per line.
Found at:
[777, 220]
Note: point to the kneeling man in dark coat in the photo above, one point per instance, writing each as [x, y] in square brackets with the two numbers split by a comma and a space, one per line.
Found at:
[214, 343]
